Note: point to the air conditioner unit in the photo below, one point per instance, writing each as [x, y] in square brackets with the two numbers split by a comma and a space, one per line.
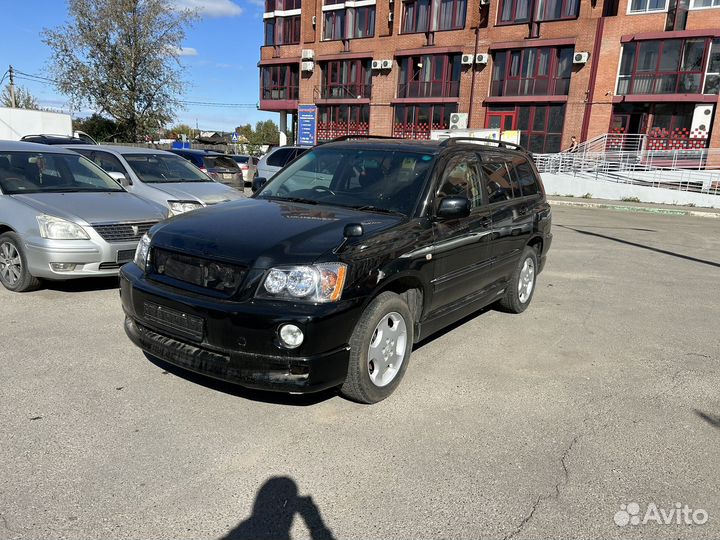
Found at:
[458, 120]
[386, 64]
[466, 60]
[482, 58]
[308, 54]
[307, 66]
[376, 64]
[580, 57]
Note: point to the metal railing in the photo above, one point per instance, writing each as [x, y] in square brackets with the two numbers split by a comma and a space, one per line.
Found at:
[344, 91]
[414, 89]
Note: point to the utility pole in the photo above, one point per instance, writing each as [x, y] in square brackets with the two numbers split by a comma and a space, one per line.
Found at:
[12, 87]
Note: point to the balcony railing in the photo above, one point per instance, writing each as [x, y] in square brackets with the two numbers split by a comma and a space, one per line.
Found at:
[530, 87]
[280, 93]
[424, 89]
[344, 91]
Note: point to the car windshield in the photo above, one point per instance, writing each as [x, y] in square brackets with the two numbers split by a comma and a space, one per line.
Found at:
[373, 180]
[164, 168]
[48, 172]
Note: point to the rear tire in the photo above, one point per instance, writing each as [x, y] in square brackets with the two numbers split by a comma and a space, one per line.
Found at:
[380, 349]
[14, 274]
[521, 288]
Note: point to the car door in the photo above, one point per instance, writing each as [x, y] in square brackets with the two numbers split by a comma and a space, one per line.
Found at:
[461, 249]
[511, 213]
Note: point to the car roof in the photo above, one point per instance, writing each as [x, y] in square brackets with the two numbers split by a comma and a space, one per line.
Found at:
[27, 146]
[407, 145]
[119, 149]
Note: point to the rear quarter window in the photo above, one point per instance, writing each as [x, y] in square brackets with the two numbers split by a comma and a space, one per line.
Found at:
[524, 175]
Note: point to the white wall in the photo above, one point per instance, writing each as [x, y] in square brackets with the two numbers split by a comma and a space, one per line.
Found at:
[565, 184]
[16, 123]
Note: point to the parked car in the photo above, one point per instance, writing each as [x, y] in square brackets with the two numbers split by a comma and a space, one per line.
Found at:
[276, 159]
[337, 266]
[79, 138]
[220, 167]
[248, 166]
[159, 176]
[62, 217]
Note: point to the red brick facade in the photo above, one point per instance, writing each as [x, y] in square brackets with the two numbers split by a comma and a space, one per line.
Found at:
[590, 100]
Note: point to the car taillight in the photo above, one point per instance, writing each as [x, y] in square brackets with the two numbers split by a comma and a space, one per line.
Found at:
[244, 167]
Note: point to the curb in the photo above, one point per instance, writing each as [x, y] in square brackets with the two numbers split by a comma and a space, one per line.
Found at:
[645, 209]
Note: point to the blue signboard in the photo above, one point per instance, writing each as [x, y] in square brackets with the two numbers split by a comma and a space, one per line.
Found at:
[307, 123]
[234, 138]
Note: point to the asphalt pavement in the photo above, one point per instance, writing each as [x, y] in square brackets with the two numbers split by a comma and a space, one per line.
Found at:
[603, 393]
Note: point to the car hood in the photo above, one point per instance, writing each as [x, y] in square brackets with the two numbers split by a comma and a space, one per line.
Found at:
[207, 192]
[110, 207]
[261, 233]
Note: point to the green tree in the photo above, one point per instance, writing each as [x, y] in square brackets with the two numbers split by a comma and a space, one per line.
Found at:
[98, 127]
[23, 98]
[121, 57]
[181, 129]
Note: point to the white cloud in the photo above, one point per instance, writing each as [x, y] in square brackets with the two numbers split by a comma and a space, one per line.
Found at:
[183, 51]
[210, 8]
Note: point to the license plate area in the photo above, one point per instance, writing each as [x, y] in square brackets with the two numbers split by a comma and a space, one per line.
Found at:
[177, 322]
[227, 176]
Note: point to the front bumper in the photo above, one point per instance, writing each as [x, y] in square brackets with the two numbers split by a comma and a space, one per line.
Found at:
[239, 342]
[93, 257]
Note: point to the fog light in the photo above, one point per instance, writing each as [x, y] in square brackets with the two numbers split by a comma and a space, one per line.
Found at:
[291, 336]
[63, 267]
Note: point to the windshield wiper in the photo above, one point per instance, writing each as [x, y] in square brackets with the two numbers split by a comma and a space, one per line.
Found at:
[371, 208]
[292, 199]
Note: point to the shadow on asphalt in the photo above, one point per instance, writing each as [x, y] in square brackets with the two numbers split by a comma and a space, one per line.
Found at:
[643, 246]
[712, 419]
[81, 285]
[267, 396]
[276, 504]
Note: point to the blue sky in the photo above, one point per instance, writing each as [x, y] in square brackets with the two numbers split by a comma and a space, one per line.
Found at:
[221, 67]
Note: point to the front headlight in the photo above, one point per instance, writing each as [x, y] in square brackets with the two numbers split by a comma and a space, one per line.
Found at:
[315, 283]
[142, 252]
[55, 228]
[180, 207]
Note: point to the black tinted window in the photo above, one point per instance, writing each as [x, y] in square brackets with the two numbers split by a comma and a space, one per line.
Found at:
[497, 181]
[525, 176]
[220, 162]
[280, 157]
[462, 178]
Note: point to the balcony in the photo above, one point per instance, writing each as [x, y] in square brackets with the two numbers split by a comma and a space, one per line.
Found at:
[344, 91]
[280, 93]
[429, 89]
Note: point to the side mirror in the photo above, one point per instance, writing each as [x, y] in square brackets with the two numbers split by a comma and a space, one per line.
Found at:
[453, 207]
[120, 178]
[258, 182]
[353, 230]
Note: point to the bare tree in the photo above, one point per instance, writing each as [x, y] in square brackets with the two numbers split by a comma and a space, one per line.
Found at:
[23, 98]
[121, 57]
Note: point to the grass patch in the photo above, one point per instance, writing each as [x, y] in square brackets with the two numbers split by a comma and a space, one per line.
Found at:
[630, 199]
[586, 196]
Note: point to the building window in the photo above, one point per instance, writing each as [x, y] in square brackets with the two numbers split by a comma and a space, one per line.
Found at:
[269, 32]
[282, 30]
[337, 120]
[359, 22]
[672, 66]
[697, 4]
[515, 11]
[540, 126]
[647, 6]
[346, 79]
[712, 79]
[433, 15]
[532, 72]
[429, 76]
[282, 5]
[556, 10]
[280, 82]
[416, 121]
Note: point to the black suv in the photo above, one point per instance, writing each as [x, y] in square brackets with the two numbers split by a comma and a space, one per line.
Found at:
[331, 272]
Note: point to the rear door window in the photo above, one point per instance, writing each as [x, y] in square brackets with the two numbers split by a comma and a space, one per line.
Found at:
[498, 185]
[280, 157]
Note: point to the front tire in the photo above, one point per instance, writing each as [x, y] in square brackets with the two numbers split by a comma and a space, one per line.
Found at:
[14, 273]
[380, 349]
[521, 288]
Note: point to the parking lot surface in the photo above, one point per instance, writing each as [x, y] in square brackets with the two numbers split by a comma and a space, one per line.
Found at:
[603, 393]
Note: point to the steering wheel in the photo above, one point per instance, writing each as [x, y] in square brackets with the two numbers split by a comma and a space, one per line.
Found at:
[322, 189]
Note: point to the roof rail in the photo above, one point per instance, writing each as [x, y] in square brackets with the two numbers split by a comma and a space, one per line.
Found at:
[502, 144]
[353, 137]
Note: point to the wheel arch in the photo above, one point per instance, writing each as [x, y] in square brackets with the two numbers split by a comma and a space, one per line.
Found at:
[536, 242]
[6, 228]
[411, 287]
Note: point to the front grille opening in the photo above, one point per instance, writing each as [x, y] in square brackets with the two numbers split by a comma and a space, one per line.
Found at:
[122, 232]
[217, 276]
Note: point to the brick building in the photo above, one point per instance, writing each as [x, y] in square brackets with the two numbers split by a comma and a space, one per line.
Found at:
[403, 67]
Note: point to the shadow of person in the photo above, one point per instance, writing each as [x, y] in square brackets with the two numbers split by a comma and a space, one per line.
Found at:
[276, 504]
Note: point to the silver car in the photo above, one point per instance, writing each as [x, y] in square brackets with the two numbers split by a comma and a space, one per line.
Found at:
[276, 159]
[159, 176]
[63, 217]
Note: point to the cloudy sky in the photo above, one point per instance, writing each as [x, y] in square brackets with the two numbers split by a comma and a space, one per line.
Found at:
[220, 55]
